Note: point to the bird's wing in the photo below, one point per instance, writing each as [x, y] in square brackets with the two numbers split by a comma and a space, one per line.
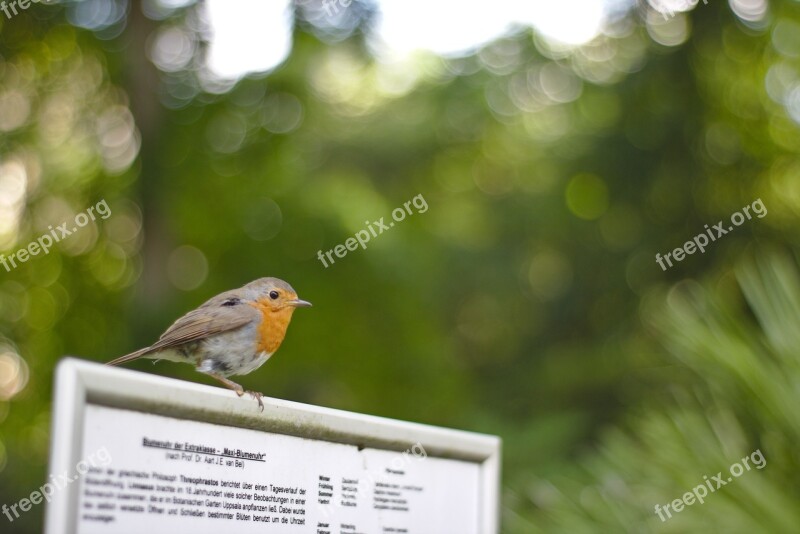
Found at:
[213, 317]
[222, 313]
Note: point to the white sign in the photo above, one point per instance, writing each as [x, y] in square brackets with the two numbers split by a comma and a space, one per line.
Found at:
[293, 469]
[169, 475]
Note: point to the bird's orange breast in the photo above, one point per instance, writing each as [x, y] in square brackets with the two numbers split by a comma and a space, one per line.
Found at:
[273, 327]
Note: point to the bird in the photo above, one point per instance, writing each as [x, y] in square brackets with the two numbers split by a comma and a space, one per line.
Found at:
[233, 333]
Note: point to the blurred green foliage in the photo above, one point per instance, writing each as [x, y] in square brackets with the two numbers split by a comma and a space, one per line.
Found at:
[739, 395]
[518, 304]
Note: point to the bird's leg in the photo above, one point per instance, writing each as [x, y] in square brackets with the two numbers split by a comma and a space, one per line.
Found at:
[239, 389]
[228, 383]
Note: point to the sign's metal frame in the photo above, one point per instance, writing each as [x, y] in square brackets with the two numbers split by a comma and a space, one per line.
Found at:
[79, 383]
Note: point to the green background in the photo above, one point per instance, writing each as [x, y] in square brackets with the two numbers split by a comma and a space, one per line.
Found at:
[526, 302]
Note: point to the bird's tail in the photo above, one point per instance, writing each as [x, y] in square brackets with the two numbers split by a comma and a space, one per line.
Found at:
[130, 357]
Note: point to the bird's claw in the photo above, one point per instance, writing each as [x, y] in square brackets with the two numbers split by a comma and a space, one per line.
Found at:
[257, 396]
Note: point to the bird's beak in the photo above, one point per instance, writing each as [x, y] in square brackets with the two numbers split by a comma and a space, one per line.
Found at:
[297, 303]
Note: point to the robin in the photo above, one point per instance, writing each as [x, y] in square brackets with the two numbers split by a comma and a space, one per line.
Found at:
[233, 333]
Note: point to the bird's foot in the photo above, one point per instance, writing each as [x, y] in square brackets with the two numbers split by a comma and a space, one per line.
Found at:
[239, 389]
[257, 396]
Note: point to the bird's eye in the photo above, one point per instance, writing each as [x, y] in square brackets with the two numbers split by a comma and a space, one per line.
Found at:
[274, 295]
